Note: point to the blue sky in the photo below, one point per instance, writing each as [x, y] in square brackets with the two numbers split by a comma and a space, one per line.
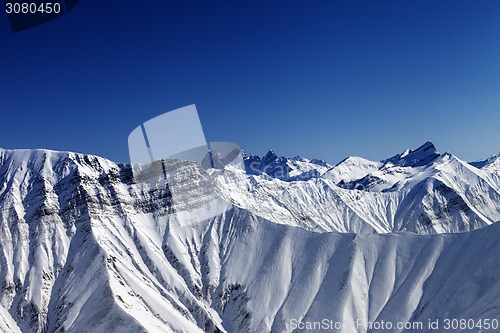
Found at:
[323, 79]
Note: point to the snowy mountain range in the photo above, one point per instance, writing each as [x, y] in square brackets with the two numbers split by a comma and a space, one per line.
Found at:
[418, 190]
[86, 245]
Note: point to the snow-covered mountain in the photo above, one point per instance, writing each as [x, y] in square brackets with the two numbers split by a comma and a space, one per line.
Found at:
[282, 168]
[88, 245]
[418, 190]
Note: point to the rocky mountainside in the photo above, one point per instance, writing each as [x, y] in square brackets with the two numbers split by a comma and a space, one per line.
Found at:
[88, 245]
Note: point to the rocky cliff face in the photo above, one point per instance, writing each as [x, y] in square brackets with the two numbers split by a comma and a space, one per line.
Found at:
[88, 245]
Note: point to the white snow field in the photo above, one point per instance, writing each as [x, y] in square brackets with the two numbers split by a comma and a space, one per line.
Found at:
[286, 246]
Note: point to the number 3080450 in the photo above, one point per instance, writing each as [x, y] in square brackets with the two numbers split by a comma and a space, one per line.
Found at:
[33, 8]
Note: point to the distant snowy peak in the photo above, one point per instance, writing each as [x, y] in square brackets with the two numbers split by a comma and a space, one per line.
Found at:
[423, 155]
[350, 169]
[396, 172]
[491, 162]
[399, 173]
[359, 173]
[393, 174]
[283, 168]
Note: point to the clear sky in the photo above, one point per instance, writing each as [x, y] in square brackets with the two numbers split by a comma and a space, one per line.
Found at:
[321, 79]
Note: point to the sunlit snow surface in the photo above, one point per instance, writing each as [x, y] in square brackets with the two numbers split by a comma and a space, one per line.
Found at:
[87, 248]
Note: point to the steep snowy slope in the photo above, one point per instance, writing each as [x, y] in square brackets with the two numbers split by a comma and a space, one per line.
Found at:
[347, 277]
[490, 169]
[87, 245]
[60, 213]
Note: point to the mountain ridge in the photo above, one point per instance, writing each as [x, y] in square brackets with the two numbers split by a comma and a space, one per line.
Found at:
[88, 246]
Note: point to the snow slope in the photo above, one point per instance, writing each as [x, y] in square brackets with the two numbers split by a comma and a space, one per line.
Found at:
[87, 247]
